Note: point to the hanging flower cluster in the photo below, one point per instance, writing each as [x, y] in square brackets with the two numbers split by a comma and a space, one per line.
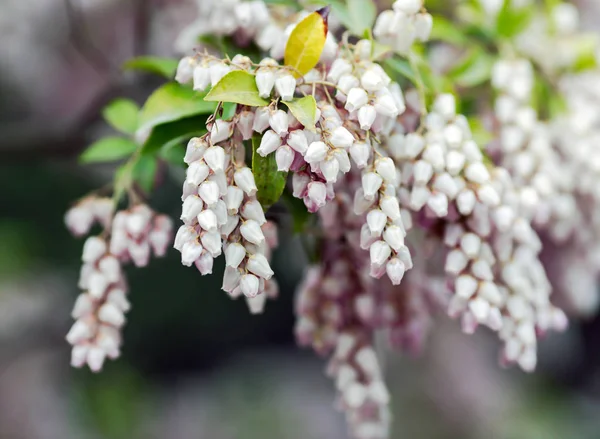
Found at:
[416, 215]
[99, 311]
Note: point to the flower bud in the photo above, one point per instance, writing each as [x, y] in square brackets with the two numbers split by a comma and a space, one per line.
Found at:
[185, 70]
[285, 86]
[395, 270]
[317, 193]
[316, 152]
[338, 68]
[251, 232]
[195, 150]
[376, 220]
[385, 105]
[360, 152]
[423, 25]
[284, 157]
[93, 249]
[371, 182]
[190, 252]
[209, 192]
[347, 82]
[233, 199]
[254, 211]
[221, 130]
[341, 138]
[438, 203]
[269, 143]
[465, 201]
[366, 117]
[217, 71]
[231, 279]
[261, 120]
[211, 241]
[259, 265]
[244, 124]
[265, 80]
[330, 169]
[197, 172]
[201, 78]
[215, 158]
[234, 254]
[297, 141]
[300, 183]
[204, 263]
[207, 220]
[371, 81]
[279, 122]
[379, 252]
[245, 180]
[249, 285]
[357, 97]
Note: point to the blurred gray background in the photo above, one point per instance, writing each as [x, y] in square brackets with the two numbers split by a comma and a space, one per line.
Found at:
[195, 364]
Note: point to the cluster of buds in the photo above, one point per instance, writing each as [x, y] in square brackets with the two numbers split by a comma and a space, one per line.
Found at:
[403, 25]
[99, 311]
[139, 232]
[220, 211]
[86, 213]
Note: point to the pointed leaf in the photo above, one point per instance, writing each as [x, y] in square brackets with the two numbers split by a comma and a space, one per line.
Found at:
[108, 149]
[122, 115]
[474, 69]
[172, 102]
[144, 172]
[306, 42]
[153, 64]
[305, 110]
[362, 14]
[238, 87]
[269, 181]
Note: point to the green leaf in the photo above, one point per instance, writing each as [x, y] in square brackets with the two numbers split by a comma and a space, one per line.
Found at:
[144, 172]
[122, 115]
[444, 30]
[305, 110]
[172, 102]
[108, 149]
[474, 69]
[402, 67]
[269, 181]
[153, 64]
[238, 87]
[362, 14]
[512, 21]
[166, 133]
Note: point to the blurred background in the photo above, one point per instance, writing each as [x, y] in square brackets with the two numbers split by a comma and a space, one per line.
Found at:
[195, 364]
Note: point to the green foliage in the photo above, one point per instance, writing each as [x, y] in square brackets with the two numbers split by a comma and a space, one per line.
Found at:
[402, 67]
[144, 172]
[305, 110]
[108, 149]
[445, 30]
[238, 87]
[122, 115]
[362, 14]
[172, 102]
[511, 21]
[165, 133]
[300, 215]
[269, 181]
[474, 68]
[165, 67]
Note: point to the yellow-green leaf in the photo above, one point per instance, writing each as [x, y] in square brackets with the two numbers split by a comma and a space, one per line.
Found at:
[306, 42]
[269, 181]
[238, 87]
[122, 115]
[362, 13]
[108, 149]
[305, 110]
[153, 64]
